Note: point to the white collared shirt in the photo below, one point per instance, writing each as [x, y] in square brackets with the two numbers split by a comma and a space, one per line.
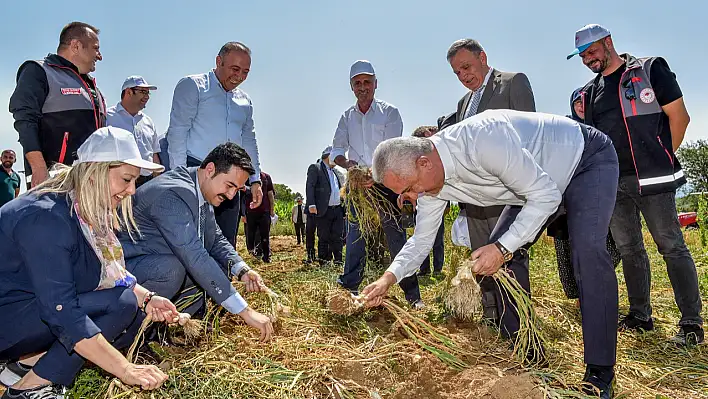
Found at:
[141, 126]
[498, 157]
[479, 92]
[334, 199]
[358, 134]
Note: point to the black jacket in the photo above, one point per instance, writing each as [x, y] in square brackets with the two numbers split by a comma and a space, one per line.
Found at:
[647, 126]
[317, 187]
[53, 133]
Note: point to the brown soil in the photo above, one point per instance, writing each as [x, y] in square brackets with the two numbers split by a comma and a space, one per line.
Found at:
[424, 377]
[341, 303]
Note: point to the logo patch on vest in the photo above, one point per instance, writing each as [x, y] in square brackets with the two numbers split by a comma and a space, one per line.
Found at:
[70, 90]
[647, 95]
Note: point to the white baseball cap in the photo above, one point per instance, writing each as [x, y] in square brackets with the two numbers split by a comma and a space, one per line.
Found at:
[586, 36]
[113, 144]
[136, 81]
[361, 67]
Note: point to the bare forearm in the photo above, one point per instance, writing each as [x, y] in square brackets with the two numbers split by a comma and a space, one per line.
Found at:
[678, 130]
[101, 353]
[36, 160]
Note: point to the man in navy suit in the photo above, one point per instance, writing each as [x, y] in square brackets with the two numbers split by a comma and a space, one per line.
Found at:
[181, 251]
[323, 201]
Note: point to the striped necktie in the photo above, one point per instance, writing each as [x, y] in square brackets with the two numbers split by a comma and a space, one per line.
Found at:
[202, 219]
[474, 102]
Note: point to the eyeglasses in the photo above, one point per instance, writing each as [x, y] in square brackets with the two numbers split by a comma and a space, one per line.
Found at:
[141, 91]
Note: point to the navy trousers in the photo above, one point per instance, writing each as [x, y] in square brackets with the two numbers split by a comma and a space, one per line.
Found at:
[589, 201]
[355, 257]
[329, 234]
[165, 275]
[114, 311]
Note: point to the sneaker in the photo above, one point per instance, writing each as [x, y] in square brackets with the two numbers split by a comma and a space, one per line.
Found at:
[13, 372]
[630, 322]
[418, 305]
[598, 383]
[688, 335]
[43, 392]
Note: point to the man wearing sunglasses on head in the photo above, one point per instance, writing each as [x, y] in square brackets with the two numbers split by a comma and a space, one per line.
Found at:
[639, 104]
[128, 115]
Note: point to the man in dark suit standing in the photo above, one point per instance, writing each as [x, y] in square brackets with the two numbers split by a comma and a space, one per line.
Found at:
[181, 251]
[323, 201]
[488, 88]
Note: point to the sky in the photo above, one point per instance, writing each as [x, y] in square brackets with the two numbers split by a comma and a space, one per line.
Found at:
[302, 51]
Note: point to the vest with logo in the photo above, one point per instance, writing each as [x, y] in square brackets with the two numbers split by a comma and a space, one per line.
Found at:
[658, 170]
[69, 114]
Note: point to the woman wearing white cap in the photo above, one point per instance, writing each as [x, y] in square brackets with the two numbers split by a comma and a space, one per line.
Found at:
[65, 295]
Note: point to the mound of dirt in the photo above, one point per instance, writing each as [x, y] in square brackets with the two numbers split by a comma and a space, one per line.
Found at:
[432, 380]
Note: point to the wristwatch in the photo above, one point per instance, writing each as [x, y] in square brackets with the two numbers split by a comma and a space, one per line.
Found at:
[243, 271]
[505, 252]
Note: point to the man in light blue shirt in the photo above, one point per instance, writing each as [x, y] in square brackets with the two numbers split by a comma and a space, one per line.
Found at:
[209, 109]
[128, 115]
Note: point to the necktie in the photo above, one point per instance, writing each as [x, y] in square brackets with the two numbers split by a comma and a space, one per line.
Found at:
[202, 219]
[299, 213]
[474, 102]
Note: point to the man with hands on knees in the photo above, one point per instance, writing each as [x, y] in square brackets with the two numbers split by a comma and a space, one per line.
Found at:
[529, 162]
[181, 251]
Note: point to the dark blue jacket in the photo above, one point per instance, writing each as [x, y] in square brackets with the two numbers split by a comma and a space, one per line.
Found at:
[45, 262]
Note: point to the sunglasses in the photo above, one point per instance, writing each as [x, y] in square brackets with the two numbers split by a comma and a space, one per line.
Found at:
[141, 91]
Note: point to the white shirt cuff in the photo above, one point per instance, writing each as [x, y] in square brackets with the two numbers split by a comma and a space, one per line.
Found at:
[397, 270]
[510, 242]
[235, 269]
[311, 207]
[235, 303]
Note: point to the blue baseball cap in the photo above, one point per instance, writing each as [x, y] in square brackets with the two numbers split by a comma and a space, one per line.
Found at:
[586, 36]
[577, 93]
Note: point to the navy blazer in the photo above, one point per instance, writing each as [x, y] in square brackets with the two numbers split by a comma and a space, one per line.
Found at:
[167, 214]
[46, 263]
[318, 188]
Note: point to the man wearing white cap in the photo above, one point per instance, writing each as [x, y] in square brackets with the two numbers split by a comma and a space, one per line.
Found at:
[639, 104]
[361, 128]
[128, 115]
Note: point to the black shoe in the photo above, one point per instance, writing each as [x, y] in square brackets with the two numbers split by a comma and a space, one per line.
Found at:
[689, 335]
[13, 372]
[43, 392]
[630, 322]
[599, 381]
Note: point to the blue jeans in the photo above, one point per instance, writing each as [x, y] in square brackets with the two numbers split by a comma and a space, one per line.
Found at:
[659, 211]
[114, 311]
[356, 251]
[438, 252]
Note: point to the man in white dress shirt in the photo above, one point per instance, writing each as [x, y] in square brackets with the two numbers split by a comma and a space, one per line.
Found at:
[361, 128]
[530, 162]
[128, 115]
